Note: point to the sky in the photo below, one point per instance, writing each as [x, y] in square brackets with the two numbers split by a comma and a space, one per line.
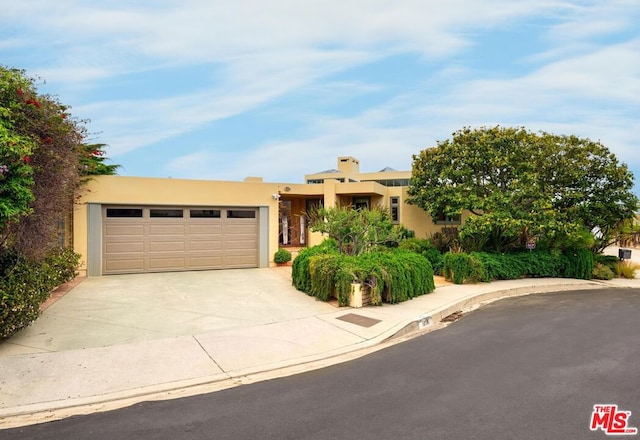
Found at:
[226, 89]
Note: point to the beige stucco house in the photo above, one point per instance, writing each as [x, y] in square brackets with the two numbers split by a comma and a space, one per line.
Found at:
[135, 224]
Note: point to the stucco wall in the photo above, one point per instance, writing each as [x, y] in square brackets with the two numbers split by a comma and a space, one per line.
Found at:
[120, 190]
[123, 190]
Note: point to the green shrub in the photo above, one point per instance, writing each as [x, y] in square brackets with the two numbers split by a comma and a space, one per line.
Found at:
[331, 276]
[460, 267]
[500, 266]
[25, 284]
[509, 266]
[427, 249]
[356, 231]
[602, 272]
[392, 276]
[541, 263]
[395, 276]
[578, 264]
[610, 261]
[300, 275]
[484, 266]
[282, 256]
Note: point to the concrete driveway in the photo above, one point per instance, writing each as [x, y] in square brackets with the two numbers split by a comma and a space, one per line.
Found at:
[121, 309]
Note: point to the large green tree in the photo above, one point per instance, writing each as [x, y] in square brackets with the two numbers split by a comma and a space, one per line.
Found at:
[520, 185]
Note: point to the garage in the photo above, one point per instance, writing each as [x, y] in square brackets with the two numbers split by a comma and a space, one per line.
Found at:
[161, 239]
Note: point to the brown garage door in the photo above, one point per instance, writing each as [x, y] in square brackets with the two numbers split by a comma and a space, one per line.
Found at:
[162, 239]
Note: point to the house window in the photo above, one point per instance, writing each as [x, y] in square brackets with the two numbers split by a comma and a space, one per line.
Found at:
[443, 219]
[165, 213]
[124, 212]
[204, 213]
[394, 204]
[393, 182]
[237, 213]
[361, 202]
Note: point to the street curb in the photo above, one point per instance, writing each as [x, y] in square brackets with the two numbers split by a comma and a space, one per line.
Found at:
[473, 302]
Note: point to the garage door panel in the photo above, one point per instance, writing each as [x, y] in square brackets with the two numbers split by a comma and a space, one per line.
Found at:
[124, 230]
[164, 230]
[166, 246]
[206, 262]
[241, 245]
[166, 263]
[238, 261]
[125, 247]
[155, 244]
[205, 229]
[125, 265]
[240, 229]
[205, 245]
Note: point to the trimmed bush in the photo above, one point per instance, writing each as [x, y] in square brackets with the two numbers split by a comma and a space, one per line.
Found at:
[460, 267]
[510, 266]
[300, 274]
[500, 266]
[282, 256]
[392, 276]
[395, 276]
[579, 264]
[483, 266]
[25, 284]
[540, 264]
[427, 249]
[610, 261]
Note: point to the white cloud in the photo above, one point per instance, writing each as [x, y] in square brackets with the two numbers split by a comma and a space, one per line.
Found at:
[264, 50]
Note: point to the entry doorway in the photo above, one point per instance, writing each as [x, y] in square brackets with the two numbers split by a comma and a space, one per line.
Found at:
[293, 224]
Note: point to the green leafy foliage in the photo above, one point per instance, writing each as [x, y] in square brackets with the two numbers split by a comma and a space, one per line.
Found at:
[282, 256]
[579, 264]
[16, 175]
[43, 159]
[93, 161]
[516, 265]
[602, 272]
[396, 275]
[26, 283]
[300, 272]
[520, 186]
[356, 231]
[392, 276]
[427, 249]
[461, 268]
[610, 261]
[486, 266]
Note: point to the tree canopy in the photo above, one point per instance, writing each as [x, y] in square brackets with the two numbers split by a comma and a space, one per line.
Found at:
[356, 231]
[521, 186]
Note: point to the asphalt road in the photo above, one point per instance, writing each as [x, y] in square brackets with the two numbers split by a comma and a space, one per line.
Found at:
[524, 368]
